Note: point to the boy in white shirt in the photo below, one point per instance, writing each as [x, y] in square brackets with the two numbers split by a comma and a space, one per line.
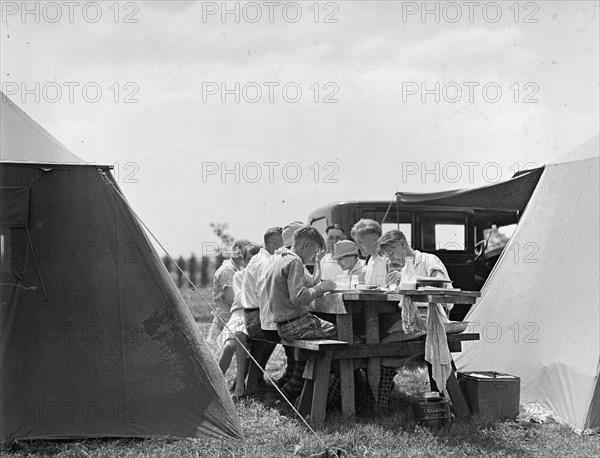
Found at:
[366, 232]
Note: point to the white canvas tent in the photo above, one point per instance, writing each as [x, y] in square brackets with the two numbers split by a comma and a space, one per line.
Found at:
[539, 311]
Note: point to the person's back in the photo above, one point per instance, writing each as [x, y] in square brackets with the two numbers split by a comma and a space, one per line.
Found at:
[288, 296]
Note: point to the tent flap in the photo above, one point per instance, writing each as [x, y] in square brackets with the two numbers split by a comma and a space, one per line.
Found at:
[14, 206]
[507, 195]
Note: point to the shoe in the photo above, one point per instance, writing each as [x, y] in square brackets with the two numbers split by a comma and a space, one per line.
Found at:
[281, 381]
[272, 399]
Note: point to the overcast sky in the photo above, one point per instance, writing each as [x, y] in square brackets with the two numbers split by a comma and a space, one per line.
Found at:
[335, 100]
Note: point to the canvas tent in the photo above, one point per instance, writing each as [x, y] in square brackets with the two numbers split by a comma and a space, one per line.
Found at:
[539, 313]
[96, 340]
[512, 194]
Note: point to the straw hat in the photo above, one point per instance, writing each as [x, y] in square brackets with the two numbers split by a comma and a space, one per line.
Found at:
[344, 248]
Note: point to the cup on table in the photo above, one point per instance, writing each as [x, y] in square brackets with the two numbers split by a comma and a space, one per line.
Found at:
[353, 281]
[342, 282]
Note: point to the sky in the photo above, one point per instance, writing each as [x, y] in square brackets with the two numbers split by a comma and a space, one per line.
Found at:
[256, 113]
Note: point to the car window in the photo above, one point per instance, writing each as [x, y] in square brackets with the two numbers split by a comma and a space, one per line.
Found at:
[443, 231]
[393, 220]
[405, 228]
[450, 237]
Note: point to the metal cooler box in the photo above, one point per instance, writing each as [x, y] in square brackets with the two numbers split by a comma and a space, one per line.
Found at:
[491, 395]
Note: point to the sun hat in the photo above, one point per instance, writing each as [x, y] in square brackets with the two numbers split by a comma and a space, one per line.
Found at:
[344, 248]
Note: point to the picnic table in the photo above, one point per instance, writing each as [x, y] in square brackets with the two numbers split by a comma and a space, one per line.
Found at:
[370, 314]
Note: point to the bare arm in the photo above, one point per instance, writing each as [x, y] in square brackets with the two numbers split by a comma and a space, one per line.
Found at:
[228, 296]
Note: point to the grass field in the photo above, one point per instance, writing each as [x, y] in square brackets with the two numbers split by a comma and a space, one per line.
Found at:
[392, 432]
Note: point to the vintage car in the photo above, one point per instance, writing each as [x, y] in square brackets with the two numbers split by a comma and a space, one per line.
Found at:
[465, 228]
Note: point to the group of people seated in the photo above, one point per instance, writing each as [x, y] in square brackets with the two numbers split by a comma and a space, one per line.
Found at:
[263, 293]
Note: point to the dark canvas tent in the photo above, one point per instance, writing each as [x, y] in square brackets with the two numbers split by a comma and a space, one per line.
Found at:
[96, 340]
[512, 194]
[500, 203]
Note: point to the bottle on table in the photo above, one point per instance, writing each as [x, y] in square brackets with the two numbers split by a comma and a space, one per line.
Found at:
[409, 276]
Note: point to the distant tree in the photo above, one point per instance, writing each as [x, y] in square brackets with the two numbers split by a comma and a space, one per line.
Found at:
[167, 262]
[192, 268]
[221, 231]
[180, 271]
[204, 268]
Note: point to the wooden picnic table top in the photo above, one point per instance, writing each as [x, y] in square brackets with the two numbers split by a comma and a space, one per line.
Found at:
[340, 301]
[397, 295]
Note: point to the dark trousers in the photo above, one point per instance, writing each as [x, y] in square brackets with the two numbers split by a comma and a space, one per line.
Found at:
[273, 336]
[260, 350]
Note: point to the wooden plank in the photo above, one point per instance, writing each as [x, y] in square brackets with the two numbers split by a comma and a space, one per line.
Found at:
[414, 294]
[316, 344]
[321, 385]
[393, 349]
[457, 397]
[372, 337]
[306, 397]
[441, 291]
[444, 299]
[309, 370]
[346, 333]
[347, 386]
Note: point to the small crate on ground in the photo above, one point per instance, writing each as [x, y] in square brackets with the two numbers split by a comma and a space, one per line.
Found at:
[491, 395]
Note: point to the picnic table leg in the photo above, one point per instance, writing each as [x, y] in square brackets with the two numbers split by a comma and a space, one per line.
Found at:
[321, 385]
[372, 337]
[345, 333]
[308, 389]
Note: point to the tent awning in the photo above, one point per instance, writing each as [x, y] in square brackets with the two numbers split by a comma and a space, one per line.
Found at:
[511, 195]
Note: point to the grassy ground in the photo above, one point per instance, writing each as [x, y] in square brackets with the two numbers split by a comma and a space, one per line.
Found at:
[276, 432]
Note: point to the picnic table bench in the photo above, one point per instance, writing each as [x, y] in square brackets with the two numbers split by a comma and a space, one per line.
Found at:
[319, 355]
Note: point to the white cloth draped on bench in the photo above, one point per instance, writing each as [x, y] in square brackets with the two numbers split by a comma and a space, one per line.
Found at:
[437, 352]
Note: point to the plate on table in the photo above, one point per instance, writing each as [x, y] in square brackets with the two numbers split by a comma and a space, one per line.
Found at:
[432, 281]
[370, 288]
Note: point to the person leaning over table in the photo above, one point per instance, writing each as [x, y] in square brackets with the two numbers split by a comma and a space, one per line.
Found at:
[330, 269]
[394, 244]
[366, 232]
[289, 297]
[269, 328]
[345, 253]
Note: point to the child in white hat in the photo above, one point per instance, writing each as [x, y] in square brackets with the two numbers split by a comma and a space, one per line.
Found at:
[345, 253]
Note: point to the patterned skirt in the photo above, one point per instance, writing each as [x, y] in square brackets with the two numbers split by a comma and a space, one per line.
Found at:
[235, 324]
